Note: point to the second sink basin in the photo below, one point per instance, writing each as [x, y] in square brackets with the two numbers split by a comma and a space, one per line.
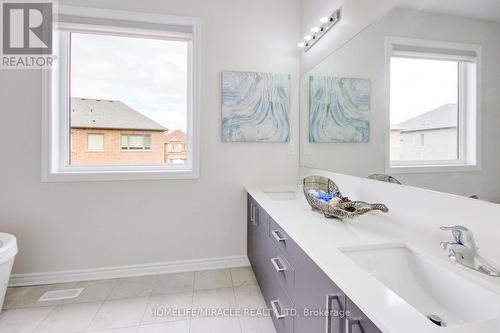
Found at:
[430, 288]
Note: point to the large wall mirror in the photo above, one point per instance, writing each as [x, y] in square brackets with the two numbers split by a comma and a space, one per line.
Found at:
[415, 96]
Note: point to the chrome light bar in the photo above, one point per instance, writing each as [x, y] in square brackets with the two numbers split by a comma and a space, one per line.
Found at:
[327, 23]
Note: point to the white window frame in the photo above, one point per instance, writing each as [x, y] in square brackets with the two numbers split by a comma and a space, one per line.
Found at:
[56, 129]
[469, 140]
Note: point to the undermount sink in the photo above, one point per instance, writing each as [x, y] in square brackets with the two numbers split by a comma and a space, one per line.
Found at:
[430, 288]
[281, 195]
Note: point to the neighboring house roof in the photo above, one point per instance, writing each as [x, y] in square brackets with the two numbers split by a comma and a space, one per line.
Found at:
[106, 114]
[176, 135]
[445, 116]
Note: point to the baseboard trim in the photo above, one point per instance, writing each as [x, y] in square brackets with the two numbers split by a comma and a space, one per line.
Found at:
[18, 280]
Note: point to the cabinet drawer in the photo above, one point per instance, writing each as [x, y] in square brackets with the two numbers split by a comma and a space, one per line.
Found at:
[282, 308]
[263, 221]
[281, 269]
[281, 239]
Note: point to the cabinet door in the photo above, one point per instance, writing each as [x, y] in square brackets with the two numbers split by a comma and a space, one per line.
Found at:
[319, 302]
[258, 240]
[357, 322]
[252, 229]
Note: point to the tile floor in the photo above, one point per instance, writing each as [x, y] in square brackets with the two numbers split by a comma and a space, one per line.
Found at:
[141, 305]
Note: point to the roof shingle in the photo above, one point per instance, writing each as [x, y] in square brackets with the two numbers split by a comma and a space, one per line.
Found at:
[445, 116]
[107, 114]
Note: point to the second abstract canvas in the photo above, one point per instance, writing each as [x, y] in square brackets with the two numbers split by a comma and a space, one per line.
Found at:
[339, 109]
[255, 107]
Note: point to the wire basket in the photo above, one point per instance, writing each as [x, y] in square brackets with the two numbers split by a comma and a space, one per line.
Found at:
[345, 209]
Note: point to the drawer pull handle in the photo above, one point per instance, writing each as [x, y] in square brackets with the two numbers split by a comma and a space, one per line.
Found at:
[253, 214]
[277, 236]
[278, 265]
[275, 305]
[349, 323]
[329, 300]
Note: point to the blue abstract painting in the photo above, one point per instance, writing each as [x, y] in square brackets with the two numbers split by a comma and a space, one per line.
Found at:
[339, 109]
[255, 107]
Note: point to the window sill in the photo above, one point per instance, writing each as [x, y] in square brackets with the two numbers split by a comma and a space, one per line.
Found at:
[85, 176]
[136, 150]
[432, 168]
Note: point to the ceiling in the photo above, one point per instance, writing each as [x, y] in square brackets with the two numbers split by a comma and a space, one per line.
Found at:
[481, 9]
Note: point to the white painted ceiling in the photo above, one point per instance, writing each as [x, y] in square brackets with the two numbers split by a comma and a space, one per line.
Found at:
[481, 9]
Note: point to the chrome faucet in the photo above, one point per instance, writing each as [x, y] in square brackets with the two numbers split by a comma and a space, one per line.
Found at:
[463, 250]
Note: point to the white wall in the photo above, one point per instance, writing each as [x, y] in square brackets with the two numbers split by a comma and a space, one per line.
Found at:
[364, 57]
[70, 226]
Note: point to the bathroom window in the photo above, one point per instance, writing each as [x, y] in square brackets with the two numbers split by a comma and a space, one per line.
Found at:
[131, 76]
[433, 106]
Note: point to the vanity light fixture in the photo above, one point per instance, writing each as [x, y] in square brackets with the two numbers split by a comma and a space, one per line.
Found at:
[327, 23]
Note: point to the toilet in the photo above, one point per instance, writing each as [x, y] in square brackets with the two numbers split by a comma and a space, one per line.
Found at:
[8, 250]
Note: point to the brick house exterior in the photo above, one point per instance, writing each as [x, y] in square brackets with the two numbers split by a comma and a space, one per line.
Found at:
[175, 147]
[112, 152]
[110, 132]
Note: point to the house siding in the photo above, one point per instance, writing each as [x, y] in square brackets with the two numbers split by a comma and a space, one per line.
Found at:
[439, 144]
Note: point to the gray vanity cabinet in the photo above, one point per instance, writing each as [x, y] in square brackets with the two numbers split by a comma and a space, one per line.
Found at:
[357, 322]
[319, 302]
[290, 279]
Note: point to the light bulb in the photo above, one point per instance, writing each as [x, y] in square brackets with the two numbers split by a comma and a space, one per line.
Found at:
[315, 29]
[301, 44]
[307, 37]
[324, 19]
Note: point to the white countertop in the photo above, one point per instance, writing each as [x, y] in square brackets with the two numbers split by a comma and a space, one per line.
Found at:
[321, 238]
